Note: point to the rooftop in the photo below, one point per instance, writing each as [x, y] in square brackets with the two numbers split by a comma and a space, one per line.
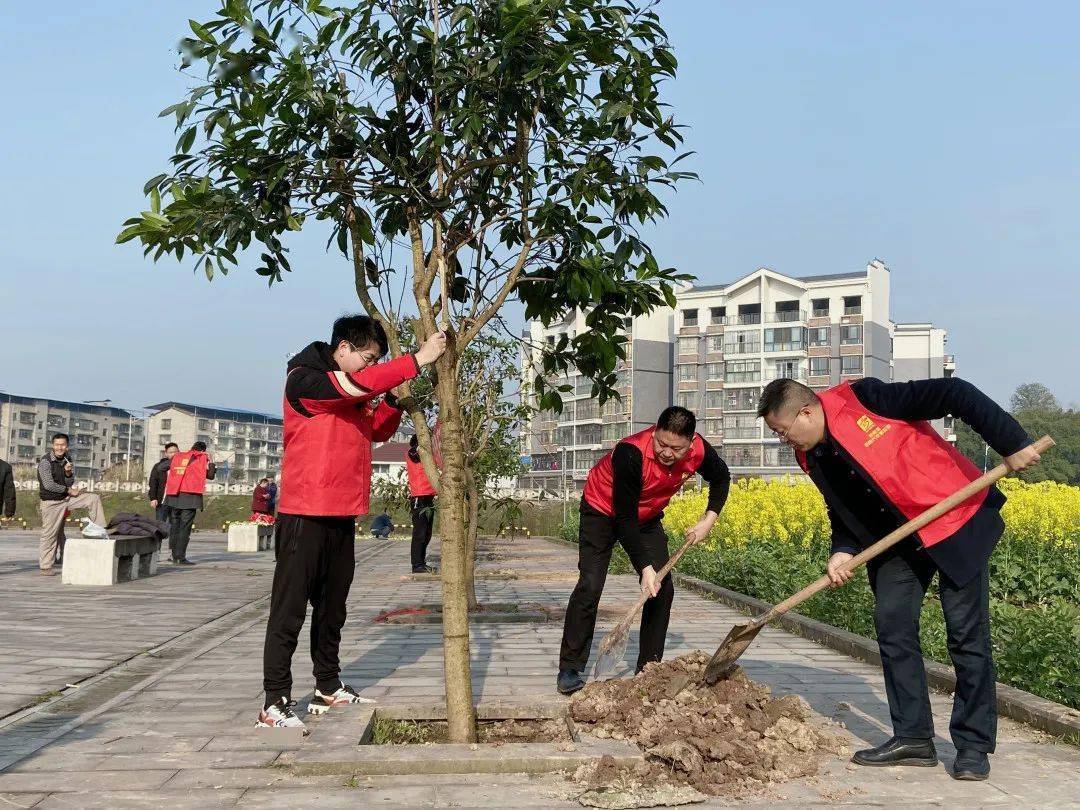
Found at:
[218, 412]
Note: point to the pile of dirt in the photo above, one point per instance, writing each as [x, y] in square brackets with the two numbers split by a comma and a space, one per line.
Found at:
[731, 738]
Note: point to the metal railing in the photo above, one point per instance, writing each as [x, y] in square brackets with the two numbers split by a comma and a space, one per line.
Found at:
[748, 318]
[785, 374]
[742, 433]
[742, 376]
[853, 310]
[785, 346]
[819, 313]
[787, 316]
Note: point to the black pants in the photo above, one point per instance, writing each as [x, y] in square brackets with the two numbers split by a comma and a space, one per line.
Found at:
[314, 564]
[162, 513]
[899, 582]
[596, 540]
[180, 525]
[423, 515]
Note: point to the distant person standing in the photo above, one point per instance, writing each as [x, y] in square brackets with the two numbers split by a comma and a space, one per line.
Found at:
[272, 489]
[260, 498]
[59, 495]
[159, 473]
[422, 503]
[7, 489]
[184, 488]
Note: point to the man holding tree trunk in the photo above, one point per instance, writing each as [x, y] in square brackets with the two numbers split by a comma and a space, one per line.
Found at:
[869, 448]
[624, 499]
[333, 413]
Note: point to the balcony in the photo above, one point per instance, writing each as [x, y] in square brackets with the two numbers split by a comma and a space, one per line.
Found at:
[787, 316]
[820, 313]
[735, 377]
[748, 319]
[742, 433]
[742, 348]
[857, 310]
[785, 346]
[785, 374]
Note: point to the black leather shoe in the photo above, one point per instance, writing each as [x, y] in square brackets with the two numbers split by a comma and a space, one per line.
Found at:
[899, 751]
[569, 681]
[971, 765]
[186, 561]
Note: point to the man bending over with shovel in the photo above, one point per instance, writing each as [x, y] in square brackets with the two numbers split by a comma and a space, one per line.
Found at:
[624, 499]
[868, 447]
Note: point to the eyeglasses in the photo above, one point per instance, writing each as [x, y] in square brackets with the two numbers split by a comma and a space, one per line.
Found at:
[367, 357]
[782, 435]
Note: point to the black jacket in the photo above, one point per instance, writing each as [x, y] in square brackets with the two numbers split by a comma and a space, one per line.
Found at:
[158, 473]
[7, 489]
[860, 514]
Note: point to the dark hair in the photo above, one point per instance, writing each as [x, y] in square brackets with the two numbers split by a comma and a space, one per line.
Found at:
[359, 330]
[63, 436]
[172, 444]
[677, 420]
[784, 393]
[200, 446]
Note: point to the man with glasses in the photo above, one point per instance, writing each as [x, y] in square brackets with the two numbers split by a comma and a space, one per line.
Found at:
[333, 412]
[869, 447]
[624, 499]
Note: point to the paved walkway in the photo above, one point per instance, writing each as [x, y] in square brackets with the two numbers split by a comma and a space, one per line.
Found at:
[173, 727]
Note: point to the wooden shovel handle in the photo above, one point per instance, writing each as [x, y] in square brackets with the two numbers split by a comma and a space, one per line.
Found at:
[978, 485]
[663, 572]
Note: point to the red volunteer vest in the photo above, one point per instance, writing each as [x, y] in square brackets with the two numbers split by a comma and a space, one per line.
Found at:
[911, 464]
[419, 484]
[326, 469]
[187, 473]
[658, 481]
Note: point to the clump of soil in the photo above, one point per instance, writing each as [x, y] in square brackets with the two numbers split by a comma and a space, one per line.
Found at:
[494, 732]
[730, 738]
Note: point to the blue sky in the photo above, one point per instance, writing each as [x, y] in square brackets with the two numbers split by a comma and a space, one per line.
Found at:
[939, 137]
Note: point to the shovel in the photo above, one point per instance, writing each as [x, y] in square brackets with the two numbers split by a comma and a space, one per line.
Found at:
[741, 635]
[613, 645]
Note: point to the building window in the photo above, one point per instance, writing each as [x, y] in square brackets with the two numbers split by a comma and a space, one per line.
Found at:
[853, 305]
[713, 427]
[820, 307]
[788, 339]
[717, 315]
[819, 366]
[688, 345]
[742, 399]
[689, 317]
[564, 435]
[850, 335]
[688, 400]
[615, 431]
[688, 372]
[742, 343]
[164, 439]
[166, 424]
[588, 409]
[819, 336]
[851, 364]
[714, 371]
[714, 400]
[716, 343]
[588, 434]
[742, 371]
[741, 427]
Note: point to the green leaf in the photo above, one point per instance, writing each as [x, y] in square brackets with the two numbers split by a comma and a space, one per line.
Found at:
[155, 200]
[202, 33]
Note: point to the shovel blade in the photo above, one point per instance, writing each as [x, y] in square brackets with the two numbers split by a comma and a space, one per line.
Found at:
[612, 650]
[723, 661]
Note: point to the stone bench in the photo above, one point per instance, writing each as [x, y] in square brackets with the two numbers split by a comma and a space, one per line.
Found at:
[120, 558]
[251, 537]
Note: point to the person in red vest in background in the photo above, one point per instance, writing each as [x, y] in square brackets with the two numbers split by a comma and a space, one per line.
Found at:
[869, 448]
[261, 509]
[338, 400]
[422, 503]
[188, 473]
[624, 499]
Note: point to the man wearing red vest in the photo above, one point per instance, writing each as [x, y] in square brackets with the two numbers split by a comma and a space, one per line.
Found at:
[624, 499]
[869, 448]
[332, 415]
[422, 502]
[184, 488]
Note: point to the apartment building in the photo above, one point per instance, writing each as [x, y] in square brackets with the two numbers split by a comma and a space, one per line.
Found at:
[558, 450]
[100, 435]
[733, 339]
[919, 354]
[246, 444]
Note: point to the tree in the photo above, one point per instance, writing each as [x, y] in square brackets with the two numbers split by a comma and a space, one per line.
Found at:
[505, 145]
[1033, 397]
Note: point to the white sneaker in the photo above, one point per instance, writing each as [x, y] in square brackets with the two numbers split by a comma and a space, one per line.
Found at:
[345, 695]
[94, 532]
[280, 715]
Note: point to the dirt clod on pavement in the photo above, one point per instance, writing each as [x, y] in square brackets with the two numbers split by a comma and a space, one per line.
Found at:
[732, 738]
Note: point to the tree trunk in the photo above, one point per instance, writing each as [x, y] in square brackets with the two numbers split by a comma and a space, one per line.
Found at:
[457, 670]
[470, 544]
